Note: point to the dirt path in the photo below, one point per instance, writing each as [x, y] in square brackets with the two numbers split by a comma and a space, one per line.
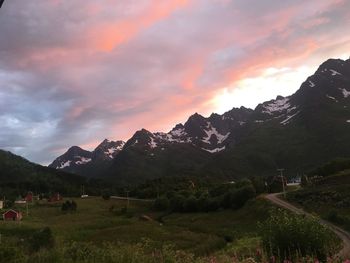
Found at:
[342, 234]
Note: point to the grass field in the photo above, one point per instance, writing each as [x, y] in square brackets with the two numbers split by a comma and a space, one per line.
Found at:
[98, 221]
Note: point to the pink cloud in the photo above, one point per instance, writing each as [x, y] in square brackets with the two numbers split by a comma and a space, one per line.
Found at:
[108, 68]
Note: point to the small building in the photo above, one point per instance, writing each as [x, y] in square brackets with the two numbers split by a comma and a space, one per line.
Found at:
[12, 215]
[55, 198]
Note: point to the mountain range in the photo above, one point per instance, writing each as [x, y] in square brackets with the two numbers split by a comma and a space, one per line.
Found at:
[298, 133]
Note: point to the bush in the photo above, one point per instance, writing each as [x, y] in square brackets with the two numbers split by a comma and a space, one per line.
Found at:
[242, 195]
[214, 204]
[190, 204]
[334, 217]
[161, 204]
[288, 235]
[69, 206]
[177, 203]
[41, 239]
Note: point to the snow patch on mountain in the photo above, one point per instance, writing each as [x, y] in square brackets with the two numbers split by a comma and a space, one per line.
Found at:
[345, 93]
[276, 106]
[111, 151]
[289, 117]
[291, 109]
[210, 131]
[179, 135]
[178, 132]
[82, 160]
[152, 143]
[311, 84]
[332, 98]
[226, 118]
[216, 150]
[64, 164]
[334, 72]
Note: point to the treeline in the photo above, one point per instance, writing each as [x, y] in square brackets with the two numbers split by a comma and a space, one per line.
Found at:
[162, 186]
[221, 196]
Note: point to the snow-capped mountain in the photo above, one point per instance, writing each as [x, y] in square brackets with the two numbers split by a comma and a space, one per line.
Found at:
[296, 132]
[77, 160]
[75, 156]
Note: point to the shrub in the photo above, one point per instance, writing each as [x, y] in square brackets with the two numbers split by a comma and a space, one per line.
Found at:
[177, 203]
[69, 206]
[190, 204]
[287, 235]
[161, 204]
[334, 217]
[41, 239]
[242, 195]
[214, 204]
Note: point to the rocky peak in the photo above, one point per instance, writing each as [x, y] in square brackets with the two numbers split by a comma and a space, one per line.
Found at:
[108, 149]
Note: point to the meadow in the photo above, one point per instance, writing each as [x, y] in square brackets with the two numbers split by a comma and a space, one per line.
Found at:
[98, 221]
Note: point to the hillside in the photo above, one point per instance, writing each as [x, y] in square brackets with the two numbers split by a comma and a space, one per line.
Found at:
[18, 175]
[298, 132]
[327, 195]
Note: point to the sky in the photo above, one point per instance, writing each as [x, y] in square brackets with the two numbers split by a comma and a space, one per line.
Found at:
[76, 72]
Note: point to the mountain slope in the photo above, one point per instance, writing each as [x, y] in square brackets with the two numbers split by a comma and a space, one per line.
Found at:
[18, 175]
[297, 132]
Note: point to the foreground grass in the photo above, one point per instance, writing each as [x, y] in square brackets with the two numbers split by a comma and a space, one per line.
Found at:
[100, 231]
[98, 221]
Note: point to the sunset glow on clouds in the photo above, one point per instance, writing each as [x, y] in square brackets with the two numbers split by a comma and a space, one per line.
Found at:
[76, 72]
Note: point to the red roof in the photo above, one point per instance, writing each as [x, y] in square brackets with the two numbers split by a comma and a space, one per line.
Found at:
[12, 215]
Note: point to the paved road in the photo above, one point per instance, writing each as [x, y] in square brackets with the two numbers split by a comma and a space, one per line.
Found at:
[342, 234]
[131, 199]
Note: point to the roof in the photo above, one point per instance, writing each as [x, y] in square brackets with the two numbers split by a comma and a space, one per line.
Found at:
[11, 210]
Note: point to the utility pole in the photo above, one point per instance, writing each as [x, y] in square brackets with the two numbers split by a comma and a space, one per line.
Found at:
[282, 179]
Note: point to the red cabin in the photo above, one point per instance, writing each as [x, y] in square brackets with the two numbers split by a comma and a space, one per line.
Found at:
[55, 198]
[29, 197]
[12, 215]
